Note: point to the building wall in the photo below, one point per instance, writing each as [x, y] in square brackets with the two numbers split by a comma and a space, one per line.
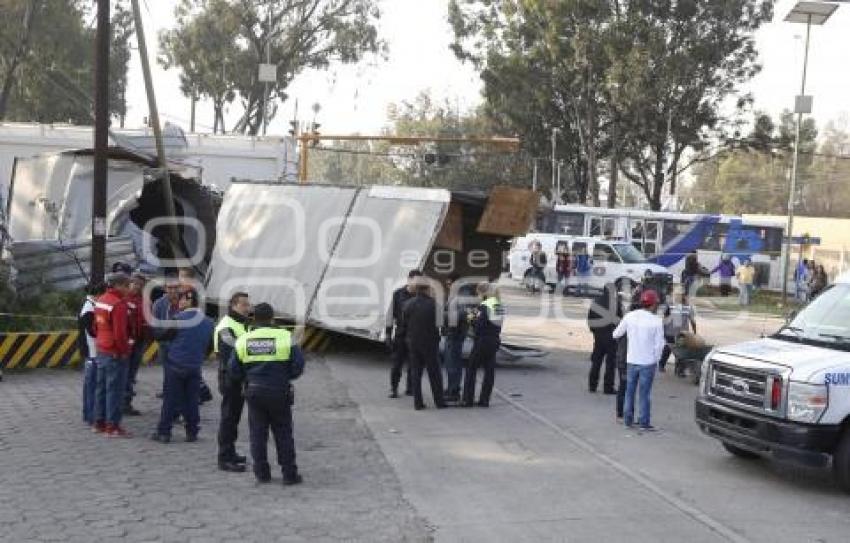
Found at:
[834, 250]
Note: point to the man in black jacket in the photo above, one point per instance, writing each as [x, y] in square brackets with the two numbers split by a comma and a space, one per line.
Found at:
[229, 329]
[419, 324]
[395, 340]
[602, 317]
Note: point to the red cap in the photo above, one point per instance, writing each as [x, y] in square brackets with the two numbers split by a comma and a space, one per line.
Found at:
[649, 298]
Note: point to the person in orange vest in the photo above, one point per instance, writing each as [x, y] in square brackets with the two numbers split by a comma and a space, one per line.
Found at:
[112, 329]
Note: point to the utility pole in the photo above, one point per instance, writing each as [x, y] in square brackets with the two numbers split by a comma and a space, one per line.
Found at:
[192, 112]
[157, 133]
[534, 176]
[554, 165]
[101, 143]
[558, 186]
[266, 97]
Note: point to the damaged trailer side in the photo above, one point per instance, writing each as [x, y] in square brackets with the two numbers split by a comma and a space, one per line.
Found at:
[330, 256]
[49, 215]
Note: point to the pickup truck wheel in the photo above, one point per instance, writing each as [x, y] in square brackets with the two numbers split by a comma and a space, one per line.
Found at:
[740, 453]
[841, 461]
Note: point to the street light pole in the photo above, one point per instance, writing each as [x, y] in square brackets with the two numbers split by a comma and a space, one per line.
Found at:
[808, 13]
[789, 229]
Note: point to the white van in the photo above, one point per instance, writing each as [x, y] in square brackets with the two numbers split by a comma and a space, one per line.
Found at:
[786, 396]
[614, 262]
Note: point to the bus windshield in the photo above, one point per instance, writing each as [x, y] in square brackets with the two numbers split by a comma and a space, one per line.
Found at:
[629, 254]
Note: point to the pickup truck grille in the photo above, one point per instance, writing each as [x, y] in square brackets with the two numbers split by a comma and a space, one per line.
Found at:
[746, 387]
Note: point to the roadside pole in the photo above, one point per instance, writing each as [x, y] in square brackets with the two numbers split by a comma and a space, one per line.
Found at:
[168, 196]
[101, 143]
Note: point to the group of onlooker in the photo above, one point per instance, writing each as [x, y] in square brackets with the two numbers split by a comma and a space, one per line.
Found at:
[810, 279]
[572, 269]
[634, 334]
[414, 330]
[117, 324]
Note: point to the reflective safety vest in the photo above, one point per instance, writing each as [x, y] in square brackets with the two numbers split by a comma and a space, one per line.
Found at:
[495, 311]
[264, 345]
[238, 328]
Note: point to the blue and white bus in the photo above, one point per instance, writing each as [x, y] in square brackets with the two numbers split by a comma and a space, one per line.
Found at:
[666, 238]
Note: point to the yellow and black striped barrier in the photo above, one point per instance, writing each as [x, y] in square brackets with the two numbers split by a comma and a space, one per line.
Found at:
[31, 350]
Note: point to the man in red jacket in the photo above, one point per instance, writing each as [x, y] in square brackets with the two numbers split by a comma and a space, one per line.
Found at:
[139, 335]
[112, 327]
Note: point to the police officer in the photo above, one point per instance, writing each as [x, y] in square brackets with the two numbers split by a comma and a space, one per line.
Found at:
[419, 328]
[267, 360]
[230, 328]
[487, 326]
[397, 343]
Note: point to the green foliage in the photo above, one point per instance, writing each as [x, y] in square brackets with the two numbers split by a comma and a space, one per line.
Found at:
[51, 310]
[640, 83]
[465, 166]
[755, 176]
[219, 44]
[47, 61]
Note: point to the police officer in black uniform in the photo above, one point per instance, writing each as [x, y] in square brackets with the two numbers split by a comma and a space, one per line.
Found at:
[267, 360]
[419, 325]
[233, 325]
[396, 341]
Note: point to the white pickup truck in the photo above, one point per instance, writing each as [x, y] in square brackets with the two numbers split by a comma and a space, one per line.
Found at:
[786, 396]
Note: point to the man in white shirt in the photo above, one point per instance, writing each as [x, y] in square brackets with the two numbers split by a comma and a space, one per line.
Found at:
[645, 333]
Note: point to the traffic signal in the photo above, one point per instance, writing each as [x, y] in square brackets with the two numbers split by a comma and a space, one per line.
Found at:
[293, 128]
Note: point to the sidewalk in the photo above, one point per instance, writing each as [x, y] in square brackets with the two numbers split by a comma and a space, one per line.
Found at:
[59, 482]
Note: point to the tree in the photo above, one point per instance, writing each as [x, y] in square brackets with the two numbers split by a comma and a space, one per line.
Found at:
[643, 82]
[753, 177]
[48, 79]
[447, 165]
[294, 34]
[204, 46]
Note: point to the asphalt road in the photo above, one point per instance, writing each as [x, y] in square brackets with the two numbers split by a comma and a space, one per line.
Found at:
[548, 462]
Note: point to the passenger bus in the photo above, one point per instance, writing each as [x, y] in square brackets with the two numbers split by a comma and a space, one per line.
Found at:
[666, 238]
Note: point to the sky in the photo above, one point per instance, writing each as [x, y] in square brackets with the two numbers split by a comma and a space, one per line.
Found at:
[354, 99]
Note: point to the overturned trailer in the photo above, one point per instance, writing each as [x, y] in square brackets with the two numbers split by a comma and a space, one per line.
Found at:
[330, 256]
[50, 207]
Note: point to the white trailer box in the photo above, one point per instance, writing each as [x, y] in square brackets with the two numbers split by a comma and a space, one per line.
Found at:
[330, 256]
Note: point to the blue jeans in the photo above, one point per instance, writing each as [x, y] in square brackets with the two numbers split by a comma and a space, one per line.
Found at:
[453, 361]
[746, 294]
[181, 394]
[111, 380]
[89, 390]
[638, 378]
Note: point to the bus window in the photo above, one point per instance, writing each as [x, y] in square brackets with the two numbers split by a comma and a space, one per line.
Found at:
[650, 249]
[609, 227]
[595, 226]
[569, 223]
[637, 230]
[672, 229]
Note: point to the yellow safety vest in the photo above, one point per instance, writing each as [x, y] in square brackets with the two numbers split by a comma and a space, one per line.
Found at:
[264, 345]
[238, 328]
[495, 312]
